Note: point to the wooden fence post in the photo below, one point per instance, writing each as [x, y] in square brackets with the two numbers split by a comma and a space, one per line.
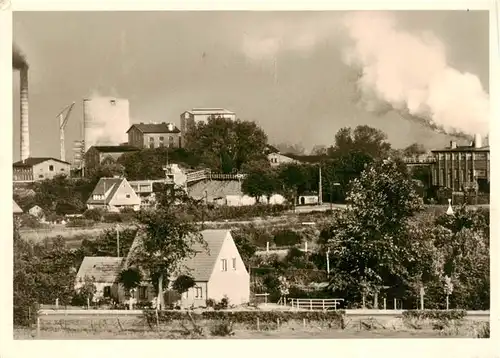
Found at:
[395, 304]
[385, 303]
[258, 325]
[38, 327]
[323, 304]
[304, 322]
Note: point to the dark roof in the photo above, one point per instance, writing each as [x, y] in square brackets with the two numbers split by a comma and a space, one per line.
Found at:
[102, 186]
[29, 162]
[306, 158]
[271, 149]
[203, 263]
[102, 269]
[154, 128]
[464, 148]
[115, 148]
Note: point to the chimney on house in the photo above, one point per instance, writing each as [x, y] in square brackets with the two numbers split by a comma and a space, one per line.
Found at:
[453, 144]
[477, 141]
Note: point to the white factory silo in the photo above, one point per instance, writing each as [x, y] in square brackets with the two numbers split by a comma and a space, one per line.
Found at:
[106, 121]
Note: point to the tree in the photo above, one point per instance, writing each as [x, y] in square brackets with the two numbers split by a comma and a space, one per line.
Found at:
[319, 149]
[225, 145]
[292, 177]
[367, 240]
[245, 247]
[183, 283]
[414, 149]
[261, 180]
[165, 241]
[88, 289]
[364, 139]
[130, 278]
[297, 149]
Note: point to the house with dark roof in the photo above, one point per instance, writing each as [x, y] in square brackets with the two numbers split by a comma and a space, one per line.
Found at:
[39, 168]
[154, 135]
[99, 154]
[113, 194]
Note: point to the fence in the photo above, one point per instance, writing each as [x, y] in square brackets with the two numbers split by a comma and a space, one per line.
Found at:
[313, 303]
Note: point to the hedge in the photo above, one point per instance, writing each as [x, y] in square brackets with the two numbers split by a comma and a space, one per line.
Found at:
[249, 317]
[435, 314]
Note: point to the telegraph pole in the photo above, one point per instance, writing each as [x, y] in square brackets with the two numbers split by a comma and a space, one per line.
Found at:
[117, 241]
[328, 261]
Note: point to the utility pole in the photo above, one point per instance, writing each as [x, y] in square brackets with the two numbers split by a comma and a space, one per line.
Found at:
[117, 241]
[328, 261]
[320, 188]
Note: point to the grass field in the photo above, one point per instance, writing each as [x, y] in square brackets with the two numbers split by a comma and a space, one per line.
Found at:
[134, 327]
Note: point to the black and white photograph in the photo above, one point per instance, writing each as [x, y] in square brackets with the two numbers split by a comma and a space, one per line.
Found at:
[250, 174]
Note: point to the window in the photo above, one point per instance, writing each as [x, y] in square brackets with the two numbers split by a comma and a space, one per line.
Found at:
[40, 176]
[234, 263]
[151, 145]
[161, 139]
[143, 290]
[62, 169]
[223, 265]
[127, 196]
[107, 291]
[113, 102]
[51, 168]
[162, 145]
[151, 139]
[199, 292]
[171, 140]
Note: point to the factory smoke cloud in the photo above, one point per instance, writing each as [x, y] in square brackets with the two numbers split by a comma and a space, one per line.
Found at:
[410, 74]
[105, 123]
[18, 58]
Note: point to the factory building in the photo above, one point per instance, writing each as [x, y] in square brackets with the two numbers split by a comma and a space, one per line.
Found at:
[98, 154]
[38, 169]
[196, 115]
[462, 167]
[154, 135]
[106, 120]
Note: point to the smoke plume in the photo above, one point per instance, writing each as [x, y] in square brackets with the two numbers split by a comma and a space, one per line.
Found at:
[18, 58]
[409, 74]
[106, 123]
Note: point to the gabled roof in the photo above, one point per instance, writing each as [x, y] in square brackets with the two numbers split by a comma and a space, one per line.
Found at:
[463, 148]
[102, 269]
[16, 208]
[29, 162]
[103, 186]
[114, 148]
[203, 263]
[155, 127]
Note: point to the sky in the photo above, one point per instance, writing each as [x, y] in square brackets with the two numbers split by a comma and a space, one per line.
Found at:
[300, 75]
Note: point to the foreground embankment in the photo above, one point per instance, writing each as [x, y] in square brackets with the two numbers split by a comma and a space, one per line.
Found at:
[83, 324]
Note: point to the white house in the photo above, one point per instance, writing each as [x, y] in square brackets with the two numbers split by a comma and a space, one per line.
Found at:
[113, 194]
[218, 272]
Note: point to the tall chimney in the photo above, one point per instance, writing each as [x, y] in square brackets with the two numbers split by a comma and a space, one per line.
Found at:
[453, 144]
[25, 130]
[477, 141]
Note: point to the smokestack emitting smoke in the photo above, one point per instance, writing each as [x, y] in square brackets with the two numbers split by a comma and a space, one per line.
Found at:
[410, 74]
[19, 62]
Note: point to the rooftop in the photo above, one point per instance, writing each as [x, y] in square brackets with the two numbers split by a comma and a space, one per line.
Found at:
[156, 127]
[101, 269]
[115, 148]
[210, 111]
[104, 185]
[31, 161]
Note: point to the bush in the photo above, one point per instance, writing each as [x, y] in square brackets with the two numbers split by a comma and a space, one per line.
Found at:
[78, 222]
[222, 328]
[287, 237]
[249, 317]
[112, 218]
[93, 214]
[30, 221]
[435, 314]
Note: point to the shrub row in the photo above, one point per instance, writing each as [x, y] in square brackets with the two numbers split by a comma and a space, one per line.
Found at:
[248, 317]
[435, 314]
[245, 212]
